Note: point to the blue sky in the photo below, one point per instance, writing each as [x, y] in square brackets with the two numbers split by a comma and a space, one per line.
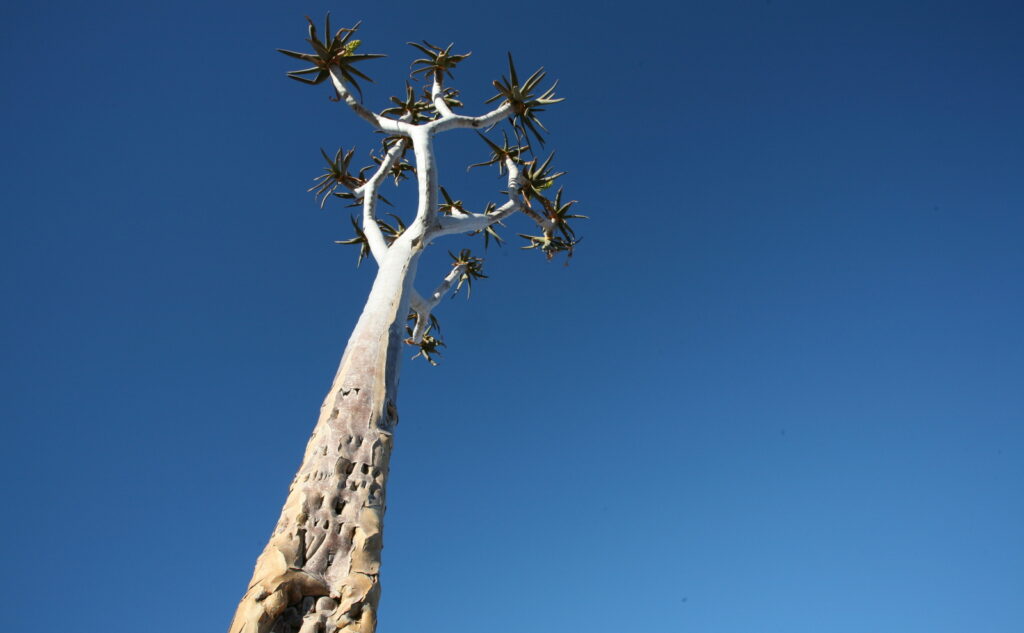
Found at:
[779, 387]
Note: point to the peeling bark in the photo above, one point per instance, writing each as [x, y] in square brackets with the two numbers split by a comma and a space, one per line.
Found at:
[319, 573]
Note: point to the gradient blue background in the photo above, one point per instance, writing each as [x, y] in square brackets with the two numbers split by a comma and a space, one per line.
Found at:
[779, 388]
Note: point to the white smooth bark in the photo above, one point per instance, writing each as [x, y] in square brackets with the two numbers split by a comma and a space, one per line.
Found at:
[471, 222]
[423, 307]
[381, 123]
[374, 237]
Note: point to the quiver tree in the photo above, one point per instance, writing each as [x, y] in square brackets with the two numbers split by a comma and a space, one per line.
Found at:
[319, 571]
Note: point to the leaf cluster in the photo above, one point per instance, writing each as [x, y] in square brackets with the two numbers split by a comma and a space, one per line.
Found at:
[400, 170]
[559, 215]
[549, 244]
[389, 231]
[450, 206]
[429, 344]
[500, 154]
[359, 240]
[337, 51]
[412, 107]
[437, 62]
[489, 231]
[419, 108]
[538, 177]
[472, 268]
[525, 101]
[336, 175]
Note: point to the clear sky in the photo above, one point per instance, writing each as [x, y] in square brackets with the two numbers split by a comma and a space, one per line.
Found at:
[779, 388]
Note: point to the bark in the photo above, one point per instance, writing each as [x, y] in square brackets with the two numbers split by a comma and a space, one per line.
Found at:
[319, 573]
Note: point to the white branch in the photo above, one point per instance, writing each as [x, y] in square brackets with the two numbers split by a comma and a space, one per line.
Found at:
[420, 328]
[379, 122]
[545, 224]
[374, 237]
[445, 285]
[417, 302]
[437, 96]
[423, 307]
[471, 222]
[426, 175]
[453, 121]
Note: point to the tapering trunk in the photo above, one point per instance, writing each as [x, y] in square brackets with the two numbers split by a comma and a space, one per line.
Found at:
[319, 572]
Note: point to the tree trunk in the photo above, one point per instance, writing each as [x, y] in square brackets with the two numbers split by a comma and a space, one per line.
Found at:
[319, 572]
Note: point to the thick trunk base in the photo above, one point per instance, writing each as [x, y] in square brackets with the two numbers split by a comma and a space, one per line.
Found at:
[319, 573]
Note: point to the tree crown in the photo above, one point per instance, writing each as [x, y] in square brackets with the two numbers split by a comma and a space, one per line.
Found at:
[410, 122]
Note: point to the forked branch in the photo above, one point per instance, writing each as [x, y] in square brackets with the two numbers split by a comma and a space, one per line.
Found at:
[413, 122]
